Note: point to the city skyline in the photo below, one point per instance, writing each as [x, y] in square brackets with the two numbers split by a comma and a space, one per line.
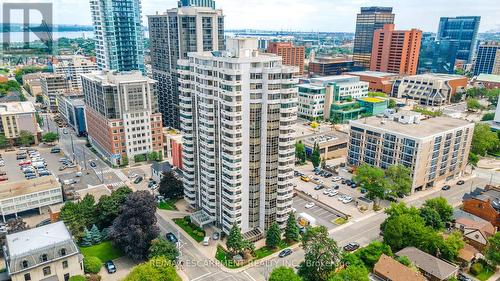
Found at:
[301, 15]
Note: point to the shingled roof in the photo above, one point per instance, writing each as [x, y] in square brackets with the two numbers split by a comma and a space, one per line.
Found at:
[390, 269]
[429, 264]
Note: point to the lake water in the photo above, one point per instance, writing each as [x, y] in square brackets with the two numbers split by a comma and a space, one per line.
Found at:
[18, 36]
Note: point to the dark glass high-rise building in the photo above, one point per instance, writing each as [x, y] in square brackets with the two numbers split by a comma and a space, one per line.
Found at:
[367, 21]
[462, 29]
[174, 34]
[488, 58]
[118, 34]
[437, 56]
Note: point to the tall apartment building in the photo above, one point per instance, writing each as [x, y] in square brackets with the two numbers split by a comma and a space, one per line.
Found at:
[237, 114]
[488, 58]
[292, 55]
[122, 114]
[118, 35]
[367, 21]
[194, 26]
[53, 85]
[395, 51]
[437, 56]
[434, 149]
[73, 67]
[462, 29]
[432, 89]
[16, 117]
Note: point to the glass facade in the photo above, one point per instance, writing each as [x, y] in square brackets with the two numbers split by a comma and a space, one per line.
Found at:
[197, 3]
[462, 29]
[369, 20]
[487, 54]
[437, 56]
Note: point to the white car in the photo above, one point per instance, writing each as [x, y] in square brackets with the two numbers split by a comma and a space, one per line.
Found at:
[309, 205]
[347, 199]
[132, 176]
[320, 181]
[333, 193]
[327, 191]
[336, 178]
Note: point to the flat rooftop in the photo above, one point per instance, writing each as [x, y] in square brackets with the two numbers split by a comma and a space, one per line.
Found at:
[377, 74]
[426, 127]
[14, 189]
[30, 240]
[436, 76]
[489, 78]
[17, 107]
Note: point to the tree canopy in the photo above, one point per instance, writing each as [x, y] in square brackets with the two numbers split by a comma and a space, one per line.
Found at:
[170, 186]
[292, 231]
[26, 138]
[315, 156]
[273, 236]
[300, 153]
[161, 247]
[493, 250]
[50, 137]
[281, 273]
[484, 140]
[157, 269]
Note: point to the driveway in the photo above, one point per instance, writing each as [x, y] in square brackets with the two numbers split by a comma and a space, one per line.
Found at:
[123, 267]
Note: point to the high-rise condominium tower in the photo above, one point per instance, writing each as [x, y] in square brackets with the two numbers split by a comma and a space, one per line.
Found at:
[118, 34]
[488, 58]
[193, 27]
[369, 20]
[237, 114]
[463, 29]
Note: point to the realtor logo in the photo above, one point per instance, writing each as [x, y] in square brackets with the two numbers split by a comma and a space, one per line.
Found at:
[41, 28]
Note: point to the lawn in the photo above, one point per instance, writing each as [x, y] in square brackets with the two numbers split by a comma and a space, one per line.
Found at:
[223, 257]
[167, 205]
[485, 274]
[340, 221]
[104, 251]
[265, 251]
[194, 231]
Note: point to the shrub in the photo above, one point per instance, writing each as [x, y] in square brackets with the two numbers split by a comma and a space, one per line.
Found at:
[92, 265]
[476, 268]
[94, 277]
[77, 278]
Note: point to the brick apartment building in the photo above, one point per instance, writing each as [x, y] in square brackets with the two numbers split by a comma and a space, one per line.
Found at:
[396, 51]
[484, 203]
[292, 55]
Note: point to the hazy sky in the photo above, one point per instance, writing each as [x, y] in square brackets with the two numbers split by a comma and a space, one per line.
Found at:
[310, 15]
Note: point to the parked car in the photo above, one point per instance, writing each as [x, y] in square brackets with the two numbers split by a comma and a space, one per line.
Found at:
[215, 236]
[2, 173]
[132, 175]
[44, 222]
[460, 182]
[43, 173]
[327, 191]
[93, 164]
[285, 252]
[352, 246]
[25, 162]
[336, 187]
[21, 156]
[138, 180]
[171, 237]
[31, 176]
[363, 191]
[304, 178]
[336, 178]
[206, 241]
[309, 205]
[110, 267]
[318, 187]
[55, 150]
[446, 187]
[333, 193]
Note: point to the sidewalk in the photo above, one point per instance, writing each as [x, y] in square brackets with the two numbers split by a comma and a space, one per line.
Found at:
[495, 277]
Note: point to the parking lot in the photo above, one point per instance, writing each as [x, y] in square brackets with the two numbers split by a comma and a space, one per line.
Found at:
[322, 216]
[308, 188]
[13, 170]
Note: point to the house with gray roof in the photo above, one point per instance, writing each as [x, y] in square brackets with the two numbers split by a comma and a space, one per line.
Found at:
[46, 253]
[432, 268]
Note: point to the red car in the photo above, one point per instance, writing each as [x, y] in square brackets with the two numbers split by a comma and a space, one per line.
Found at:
[26, 162]
[4, 178]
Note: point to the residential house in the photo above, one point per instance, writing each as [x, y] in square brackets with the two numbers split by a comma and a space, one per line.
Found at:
[389, 269]
[484, 203]
[158, 169]
[434, 269]
[475, 233]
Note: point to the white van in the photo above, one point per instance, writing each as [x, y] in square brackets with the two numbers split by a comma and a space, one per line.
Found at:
[206, 241]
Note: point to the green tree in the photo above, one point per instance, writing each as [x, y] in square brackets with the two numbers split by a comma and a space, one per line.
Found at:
[322, 255]
[404, 260]
[92, 265]
[108, 207]
[170, 186]
[451, 246]
[87, 237]
[300, 152]
[50, 137]
[493, 249]
[95, 234]
[140, 158]
[371, 253]
[281, 273]
[473, 104]
[457, 97]
[273, 236]
[484, 140]
[124, 161]
[351, 273]
[392, 103]
[157, 269]
[292, 232]
[488, 116]
[3, 141]
[431, 218]
[473, 159]
[79, 215]
[372, 179]
[153, 156]
[77, 278]
[315, 156]
[440, 204]
[39, 99]
[161, 247]
[26, 138]
[235, 242]
[399, 179]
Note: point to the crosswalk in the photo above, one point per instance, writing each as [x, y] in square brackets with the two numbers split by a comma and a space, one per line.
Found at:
[115, 185]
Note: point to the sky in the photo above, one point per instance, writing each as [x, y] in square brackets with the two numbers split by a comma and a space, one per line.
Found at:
[309, 15]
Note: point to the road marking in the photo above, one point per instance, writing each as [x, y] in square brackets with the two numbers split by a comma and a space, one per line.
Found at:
[199, 277]
[249, 276]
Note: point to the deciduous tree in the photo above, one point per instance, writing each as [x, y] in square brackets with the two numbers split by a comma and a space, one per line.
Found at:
[399, 179]
[26, 138]
[170, 186]
[282, 273]
[50, 137]
[371, 253]
[157, 269]
[351, 273]
[161, 247]
[493, 250]
[484, 140]
[372, 179]
[315, 156]
[300, 152]
[440, 204]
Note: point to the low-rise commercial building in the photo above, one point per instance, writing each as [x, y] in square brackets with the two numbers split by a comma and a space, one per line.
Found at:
[489, 81]
[71, 106]
[331, 144]
[16, 117]
[122, 115]
[434, 149]
[26, 195]
[43, 253]
[330, 66]
[53, 85]
[341, 112]
[431, 89]
[379, 81]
